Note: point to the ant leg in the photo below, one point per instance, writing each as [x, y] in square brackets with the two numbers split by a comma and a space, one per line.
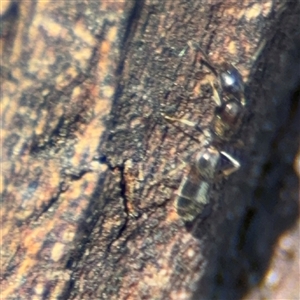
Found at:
[210, 65]
[183, 121]
[230, 166]
[216, 95]
[205, 131]
[205, 58]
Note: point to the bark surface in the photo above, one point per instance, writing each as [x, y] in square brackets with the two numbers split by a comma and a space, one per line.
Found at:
[90, 168]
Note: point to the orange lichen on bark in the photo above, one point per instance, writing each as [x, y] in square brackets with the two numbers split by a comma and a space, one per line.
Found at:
[52, 109]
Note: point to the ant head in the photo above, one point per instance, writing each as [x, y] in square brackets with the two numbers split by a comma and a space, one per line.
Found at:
[231, 81]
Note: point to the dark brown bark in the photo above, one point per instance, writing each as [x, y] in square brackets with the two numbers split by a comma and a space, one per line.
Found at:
[90, 167]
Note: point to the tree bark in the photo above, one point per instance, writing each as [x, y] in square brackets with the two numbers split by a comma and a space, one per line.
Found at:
[90, 167]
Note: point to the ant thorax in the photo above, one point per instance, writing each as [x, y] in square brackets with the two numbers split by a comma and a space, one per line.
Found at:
[227, 119]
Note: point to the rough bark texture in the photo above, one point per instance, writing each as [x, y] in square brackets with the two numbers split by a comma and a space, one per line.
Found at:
[89, 167]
